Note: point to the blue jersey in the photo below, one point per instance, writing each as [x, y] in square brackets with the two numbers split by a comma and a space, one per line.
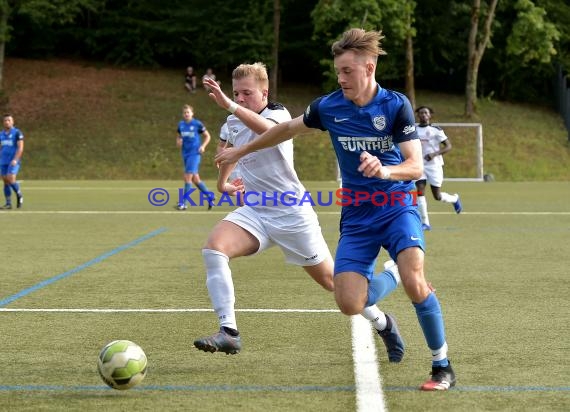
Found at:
[376, 128]
[9, 144]
[190, 133]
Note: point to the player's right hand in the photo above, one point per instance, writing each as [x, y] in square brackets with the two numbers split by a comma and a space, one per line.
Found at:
[227, 155]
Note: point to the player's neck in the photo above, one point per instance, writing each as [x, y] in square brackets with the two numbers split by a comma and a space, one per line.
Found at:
[367, 95]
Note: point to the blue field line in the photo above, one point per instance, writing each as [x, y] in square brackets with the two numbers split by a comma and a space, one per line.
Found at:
[79, 268]
[277, 388]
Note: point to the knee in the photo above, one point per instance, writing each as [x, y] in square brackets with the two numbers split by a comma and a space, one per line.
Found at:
[416, 288]
[328, 285]
[213, 244]
[348, 307]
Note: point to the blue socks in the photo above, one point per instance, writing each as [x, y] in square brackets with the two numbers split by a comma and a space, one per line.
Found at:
[205, 190]
[380, 286]
[16, 188]
[187, 187]
[431, 322]
[7, 193]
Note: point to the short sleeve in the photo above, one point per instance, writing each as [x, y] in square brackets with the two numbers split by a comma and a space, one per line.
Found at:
[312, 117]
[404, 124]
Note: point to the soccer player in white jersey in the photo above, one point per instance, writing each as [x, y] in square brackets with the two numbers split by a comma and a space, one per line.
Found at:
[265, 220]
[434, 145]
[372, 131]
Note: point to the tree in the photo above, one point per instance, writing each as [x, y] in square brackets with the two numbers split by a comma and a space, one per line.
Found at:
[393, 17]
[525, 43]
[410, 33]
[274, 74]
[475, 50]
[42, 11]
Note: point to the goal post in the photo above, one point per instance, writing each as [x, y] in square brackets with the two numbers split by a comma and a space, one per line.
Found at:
[465, 161]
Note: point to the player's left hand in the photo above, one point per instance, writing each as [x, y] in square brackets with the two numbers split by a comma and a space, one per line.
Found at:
[216, 94]
[369, 165]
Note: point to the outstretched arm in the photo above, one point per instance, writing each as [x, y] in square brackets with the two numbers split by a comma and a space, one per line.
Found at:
[272, 137]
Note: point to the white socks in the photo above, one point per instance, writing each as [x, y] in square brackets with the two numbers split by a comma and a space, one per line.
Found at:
[439, 354]
[376, 316]
[422, 208]
[447, 198]
[220, 286]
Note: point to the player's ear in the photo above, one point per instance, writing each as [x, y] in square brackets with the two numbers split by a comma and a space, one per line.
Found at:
[264, 94]
[370, 69]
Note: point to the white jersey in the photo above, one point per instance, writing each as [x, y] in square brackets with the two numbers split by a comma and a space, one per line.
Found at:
[271, 182]
[431, 138]
[224, 132]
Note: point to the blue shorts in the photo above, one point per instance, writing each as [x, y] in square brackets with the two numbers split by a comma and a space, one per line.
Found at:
[366, 228]
[192, 163]
[6, 170]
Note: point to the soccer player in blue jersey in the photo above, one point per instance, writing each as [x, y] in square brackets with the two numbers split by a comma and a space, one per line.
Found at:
[188, 139]
[373, 134]
[11, 150]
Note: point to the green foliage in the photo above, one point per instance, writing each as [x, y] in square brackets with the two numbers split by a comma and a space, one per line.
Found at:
[208, 33]
[519, 66]
[332, 17]
[56, 11]
[532, 38]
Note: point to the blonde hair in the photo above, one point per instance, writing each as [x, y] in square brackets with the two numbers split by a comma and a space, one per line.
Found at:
[257, 70]
[187, 106]
[359, 41]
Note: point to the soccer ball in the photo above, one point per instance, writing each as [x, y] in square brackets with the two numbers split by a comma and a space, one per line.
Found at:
[122, 364]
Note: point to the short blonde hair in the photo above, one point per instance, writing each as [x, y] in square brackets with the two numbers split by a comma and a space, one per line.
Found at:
[359, 41]
[187, 106]
[257, 70]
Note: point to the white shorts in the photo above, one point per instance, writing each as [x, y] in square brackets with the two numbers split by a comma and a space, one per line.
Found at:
[298, 235]
[433, 173]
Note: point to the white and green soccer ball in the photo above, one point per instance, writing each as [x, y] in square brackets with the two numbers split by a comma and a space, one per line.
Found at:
[122, 364]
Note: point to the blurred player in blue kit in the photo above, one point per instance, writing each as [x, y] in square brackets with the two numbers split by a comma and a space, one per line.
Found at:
[373, 133]
[188, 139]
[11, 150]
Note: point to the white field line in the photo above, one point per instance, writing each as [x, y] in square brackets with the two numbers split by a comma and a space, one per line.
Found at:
[150, 310]
[225, 212]
[369, 394]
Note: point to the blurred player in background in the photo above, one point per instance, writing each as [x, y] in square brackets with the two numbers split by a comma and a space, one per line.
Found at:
[11, 150]
[373, 134]
[190, 80]
[434, 145]
[209, 75]
[188, 140]
[259, 225]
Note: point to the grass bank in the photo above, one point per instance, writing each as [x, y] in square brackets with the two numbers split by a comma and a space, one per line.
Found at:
[87, 122]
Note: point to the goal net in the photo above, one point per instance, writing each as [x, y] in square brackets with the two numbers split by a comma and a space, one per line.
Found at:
[465, 160]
